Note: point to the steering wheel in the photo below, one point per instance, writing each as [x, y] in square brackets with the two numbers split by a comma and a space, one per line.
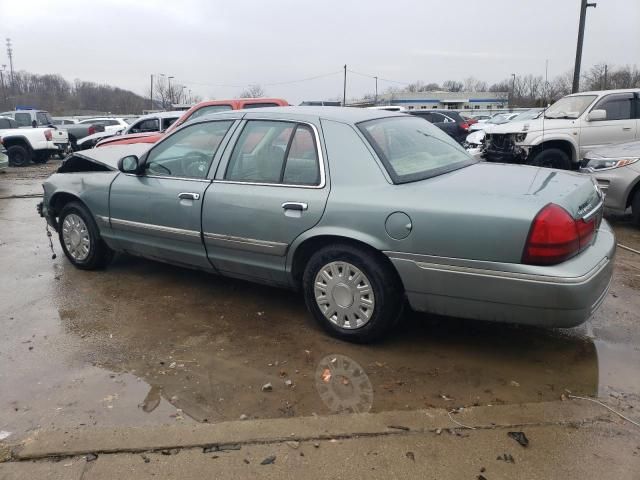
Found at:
[158, 168]
[195, 164]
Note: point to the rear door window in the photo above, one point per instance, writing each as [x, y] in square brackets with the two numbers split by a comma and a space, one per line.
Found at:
[275, 152]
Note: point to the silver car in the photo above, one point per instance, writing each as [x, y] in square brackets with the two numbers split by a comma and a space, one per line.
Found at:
[361, 210]
[616, 168]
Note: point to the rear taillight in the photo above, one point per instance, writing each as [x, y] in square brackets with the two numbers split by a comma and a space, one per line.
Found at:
[48, 135]
[555, 236]
[464, 125]
[471, 121]
[91, 130]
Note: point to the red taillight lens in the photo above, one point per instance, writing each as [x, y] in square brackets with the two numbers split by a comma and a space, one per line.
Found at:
[91, 130]
[465, 125]
[555, 236]
[48, 135]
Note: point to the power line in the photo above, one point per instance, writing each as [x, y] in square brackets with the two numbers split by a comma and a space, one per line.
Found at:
[286, 82]
[378, 77]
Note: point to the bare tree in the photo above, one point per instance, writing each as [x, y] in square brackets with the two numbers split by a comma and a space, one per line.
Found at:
[452, 86]
[253, 91]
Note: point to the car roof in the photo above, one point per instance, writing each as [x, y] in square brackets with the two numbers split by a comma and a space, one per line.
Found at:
[601, 92]
[170, 114]
[339, 114]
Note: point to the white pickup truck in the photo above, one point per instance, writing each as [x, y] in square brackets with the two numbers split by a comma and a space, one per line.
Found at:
[569, 128]
[24, 145]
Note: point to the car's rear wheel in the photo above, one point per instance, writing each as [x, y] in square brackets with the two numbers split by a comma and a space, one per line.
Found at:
[19, 156]
[80, 238]
[352, 293]
[551, 158]
[635, 207]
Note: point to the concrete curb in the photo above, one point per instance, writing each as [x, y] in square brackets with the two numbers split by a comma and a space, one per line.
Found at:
[59, 443]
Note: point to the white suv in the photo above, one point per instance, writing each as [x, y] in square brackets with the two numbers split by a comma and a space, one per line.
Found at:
[568, 129]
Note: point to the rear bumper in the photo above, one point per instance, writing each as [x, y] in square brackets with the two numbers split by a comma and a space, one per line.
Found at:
[560, 296]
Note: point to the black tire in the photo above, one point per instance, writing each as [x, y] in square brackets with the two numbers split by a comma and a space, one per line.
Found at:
[19, 156]
[383, 279]
[635, 207]
[99, 255]
[551, 158]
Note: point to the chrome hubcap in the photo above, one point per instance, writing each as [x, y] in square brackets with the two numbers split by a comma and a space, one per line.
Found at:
[344, 295]
[76, 237]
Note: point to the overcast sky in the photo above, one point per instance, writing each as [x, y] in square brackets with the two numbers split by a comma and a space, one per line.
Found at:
[215, 47]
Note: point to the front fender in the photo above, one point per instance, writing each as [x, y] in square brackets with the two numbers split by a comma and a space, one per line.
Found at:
[538, 138]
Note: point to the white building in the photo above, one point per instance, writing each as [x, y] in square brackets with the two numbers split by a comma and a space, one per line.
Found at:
[447, 100]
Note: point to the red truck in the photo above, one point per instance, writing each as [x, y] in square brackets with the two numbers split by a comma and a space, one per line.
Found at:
[198, 110]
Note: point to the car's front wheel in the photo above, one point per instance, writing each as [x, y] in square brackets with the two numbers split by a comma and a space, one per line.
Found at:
[352, 293]
[551, 158]
[80, 238]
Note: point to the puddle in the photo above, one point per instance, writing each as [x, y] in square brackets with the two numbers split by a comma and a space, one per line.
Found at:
[144, 343]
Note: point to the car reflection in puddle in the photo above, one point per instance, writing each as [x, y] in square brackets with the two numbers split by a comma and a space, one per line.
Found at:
[207, 345]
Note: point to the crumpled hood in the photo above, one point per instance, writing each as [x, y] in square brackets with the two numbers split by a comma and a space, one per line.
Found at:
[109, 156]
[535, 125]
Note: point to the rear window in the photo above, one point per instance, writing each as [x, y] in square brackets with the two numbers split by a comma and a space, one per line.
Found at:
[260, 105]
[209, 109]
[412, 149]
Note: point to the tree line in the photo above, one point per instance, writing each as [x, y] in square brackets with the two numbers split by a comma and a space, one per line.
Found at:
[532, 90]
[61, 97]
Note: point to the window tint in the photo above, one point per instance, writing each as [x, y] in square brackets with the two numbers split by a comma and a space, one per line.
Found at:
[23, 119]
[148, 125]
[260, 105]
[167, 122]
[43, 118]
[189, 152]
[209, 109]
[302, 166]
[275, 152]
[4, 123]
[618, 107]
[412, 150]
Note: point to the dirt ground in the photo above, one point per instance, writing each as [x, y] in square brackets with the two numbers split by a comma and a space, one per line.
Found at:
[143, 344]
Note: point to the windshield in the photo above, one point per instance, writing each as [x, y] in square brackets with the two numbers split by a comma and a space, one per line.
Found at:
[412, 149]
[498, 119]
[209, 109]
[570, 107]
[528, 115]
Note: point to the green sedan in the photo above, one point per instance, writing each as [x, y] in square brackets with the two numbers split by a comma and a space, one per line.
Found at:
[363, 211]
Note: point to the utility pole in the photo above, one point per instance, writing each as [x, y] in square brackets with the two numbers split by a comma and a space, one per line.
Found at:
[376, 102]
[344, 87]
[151, 95]
[10, 55]
[170, 92]
[513, 89]
[576, 71]
[606, 67]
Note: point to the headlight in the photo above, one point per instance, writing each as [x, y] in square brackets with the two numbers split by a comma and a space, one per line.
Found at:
[519, 137]
[607, 163]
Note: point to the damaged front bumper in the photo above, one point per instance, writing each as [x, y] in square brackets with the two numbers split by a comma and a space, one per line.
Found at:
[41, 207]
[502, 148]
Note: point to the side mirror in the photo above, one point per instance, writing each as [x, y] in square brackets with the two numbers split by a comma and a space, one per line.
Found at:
[129, 164]
[596, 115]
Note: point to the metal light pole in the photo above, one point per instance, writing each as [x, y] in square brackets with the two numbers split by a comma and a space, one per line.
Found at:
[170, 91]
[151, 94]
[576, 71]
[4, 89]
[344, 87]
[513, 88]
[376, 102]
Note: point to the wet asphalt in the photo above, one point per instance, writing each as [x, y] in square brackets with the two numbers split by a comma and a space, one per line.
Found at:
[146, 343]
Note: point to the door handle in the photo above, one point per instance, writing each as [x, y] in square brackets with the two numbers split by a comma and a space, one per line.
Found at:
[626, 128]
[189, 196]
[300, 206]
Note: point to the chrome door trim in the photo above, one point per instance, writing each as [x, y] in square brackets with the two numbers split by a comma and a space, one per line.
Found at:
[102, 221]
[321, 161]
[203, 180]
[157, 230]
[426, 262]
[189, 196]
[299, 206]
[246, 244]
